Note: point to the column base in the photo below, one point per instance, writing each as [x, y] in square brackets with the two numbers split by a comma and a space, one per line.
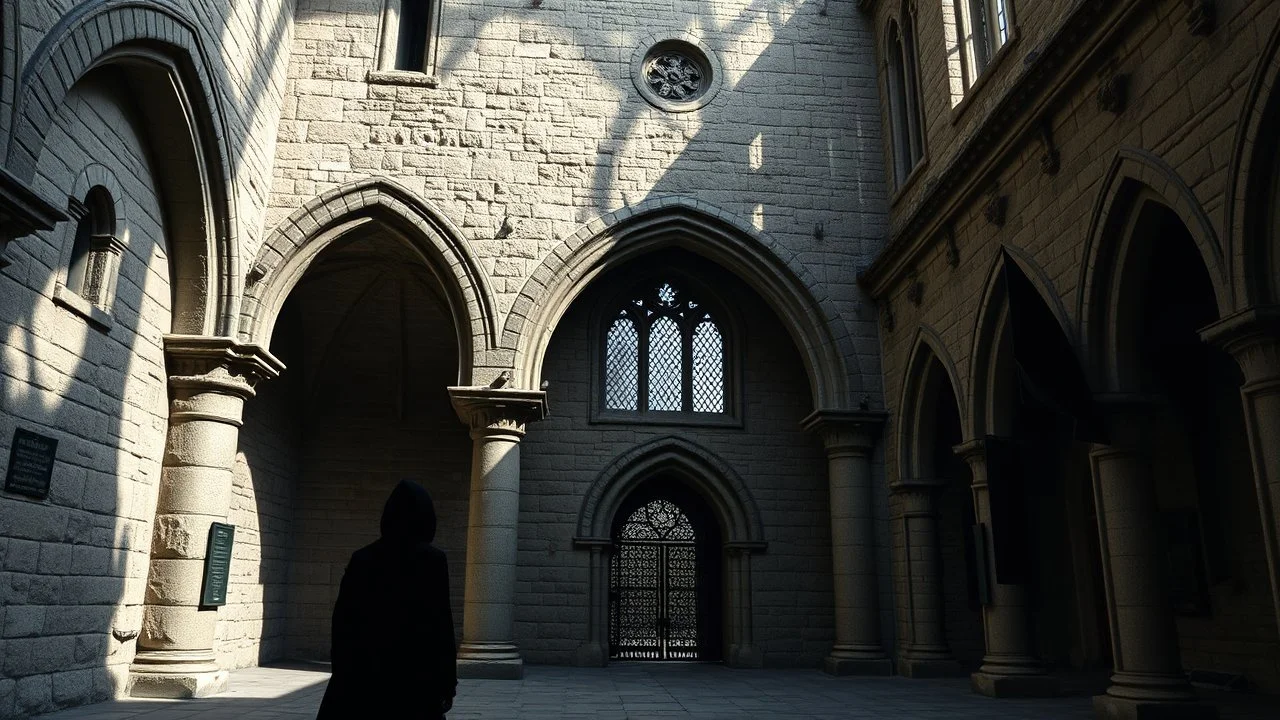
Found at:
[178, 686]
[1110, 707]
[490, 661]
[1014, 686]
[836, 665]
[591, 655]
[746, 656]
[929, 667]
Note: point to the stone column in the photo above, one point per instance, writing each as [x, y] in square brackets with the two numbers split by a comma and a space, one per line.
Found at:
[497, 418]
[209, 380]
[1148, 681]
[595, 651]
[925, 652]
[743, 651]
[1253, 339]
[849, 438]
[1010, 667]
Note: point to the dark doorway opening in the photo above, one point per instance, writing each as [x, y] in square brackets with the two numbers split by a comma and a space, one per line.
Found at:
[665, 577]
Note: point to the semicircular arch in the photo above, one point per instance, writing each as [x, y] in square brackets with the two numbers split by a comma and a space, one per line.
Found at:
[149, 36]
[766, 266]
[713, 478]
[291, 248]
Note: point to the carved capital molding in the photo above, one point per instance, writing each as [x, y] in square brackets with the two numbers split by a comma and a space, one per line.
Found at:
[849, 432]
[1252, 337]
[199, 363]
[997, 209]
[505, 411]
[915, 289]
[953, 250]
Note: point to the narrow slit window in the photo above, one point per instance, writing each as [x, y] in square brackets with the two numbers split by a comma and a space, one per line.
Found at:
[410, 32]
[411, 45]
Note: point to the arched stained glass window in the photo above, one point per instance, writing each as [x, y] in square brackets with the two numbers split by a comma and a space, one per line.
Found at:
[664, 353]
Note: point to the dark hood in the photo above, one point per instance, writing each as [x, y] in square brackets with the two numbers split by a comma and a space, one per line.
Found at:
[409, 515]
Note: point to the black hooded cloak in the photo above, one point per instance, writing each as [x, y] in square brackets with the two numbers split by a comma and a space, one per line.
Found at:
[393, 648]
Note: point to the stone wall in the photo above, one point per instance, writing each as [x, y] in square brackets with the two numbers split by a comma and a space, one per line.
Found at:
[783, 467]
[1186, 96]
[536, 123]
[73, 568]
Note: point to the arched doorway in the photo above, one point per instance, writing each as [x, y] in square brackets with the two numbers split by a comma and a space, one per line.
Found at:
[665, 577]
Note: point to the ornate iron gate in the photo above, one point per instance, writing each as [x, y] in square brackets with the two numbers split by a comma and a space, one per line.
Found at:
[653, 587]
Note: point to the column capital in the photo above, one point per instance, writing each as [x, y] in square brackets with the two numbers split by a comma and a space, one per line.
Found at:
[488, 410]
[973, 451]
[218, 364]
[847, 431]
[1252, 337]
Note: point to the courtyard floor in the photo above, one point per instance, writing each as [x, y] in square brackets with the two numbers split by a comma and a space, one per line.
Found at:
[642, 691]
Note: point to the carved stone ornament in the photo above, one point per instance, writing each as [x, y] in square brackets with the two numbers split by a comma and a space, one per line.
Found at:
[1051, 160]
[676, 74]
[997, 209]
[507, 411]
[218, 364]
[953, 250]
[1202, 16]
[915, 289]
[1113, 92]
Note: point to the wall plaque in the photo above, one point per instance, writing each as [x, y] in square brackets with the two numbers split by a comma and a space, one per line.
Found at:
[217, 565]
[31, 461]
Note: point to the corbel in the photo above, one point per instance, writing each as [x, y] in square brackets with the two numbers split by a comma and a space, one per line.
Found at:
[997, 209]
[953, 250]
[890, 322]
[1113, 90]
[915, 289]
[1051, 160]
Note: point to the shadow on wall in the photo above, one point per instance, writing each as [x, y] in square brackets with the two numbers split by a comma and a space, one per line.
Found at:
[73, 567]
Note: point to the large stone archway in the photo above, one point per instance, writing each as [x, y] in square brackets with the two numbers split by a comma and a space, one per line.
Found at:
[741, 532]
[766, 265]
[327, 219]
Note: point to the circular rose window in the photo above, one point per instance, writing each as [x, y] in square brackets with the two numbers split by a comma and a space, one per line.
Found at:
[676, 75]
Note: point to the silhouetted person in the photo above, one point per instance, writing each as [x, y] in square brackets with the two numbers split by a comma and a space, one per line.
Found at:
[393, 649]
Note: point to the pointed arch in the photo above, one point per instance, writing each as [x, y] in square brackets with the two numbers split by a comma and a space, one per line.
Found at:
[1253, 190]
[296, 242]
[930, 365]
[700, 468]
[766, 265]
[160, 47]
[987, 357]
[1135, 178]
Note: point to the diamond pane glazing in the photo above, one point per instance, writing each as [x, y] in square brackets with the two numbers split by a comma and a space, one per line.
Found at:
[666, 360]
[708, 368]
[622, 366]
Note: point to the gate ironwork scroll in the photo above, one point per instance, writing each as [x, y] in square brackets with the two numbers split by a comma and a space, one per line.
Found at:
[653, 586]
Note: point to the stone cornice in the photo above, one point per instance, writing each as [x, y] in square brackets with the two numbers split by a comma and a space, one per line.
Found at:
[1048, 71]
[487, 409]
[22, 211]
[849, 430]
[916, 485]
[204, 363]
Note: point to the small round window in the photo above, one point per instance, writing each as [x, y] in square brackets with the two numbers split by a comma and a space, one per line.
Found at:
[676, 75]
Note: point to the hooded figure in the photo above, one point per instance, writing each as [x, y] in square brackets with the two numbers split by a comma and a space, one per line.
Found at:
[393, 648]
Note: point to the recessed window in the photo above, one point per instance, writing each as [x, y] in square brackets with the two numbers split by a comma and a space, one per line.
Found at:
[410, 29]
[982, 27]
[92, 258]
[664, 353]
[905, 119]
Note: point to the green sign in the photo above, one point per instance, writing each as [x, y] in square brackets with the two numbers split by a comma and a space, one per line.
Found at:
[31, 459]
[217, 565]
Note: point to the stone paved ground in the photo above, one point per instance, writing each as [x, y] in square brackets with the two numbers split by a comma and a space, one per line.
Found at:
[704, 692]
